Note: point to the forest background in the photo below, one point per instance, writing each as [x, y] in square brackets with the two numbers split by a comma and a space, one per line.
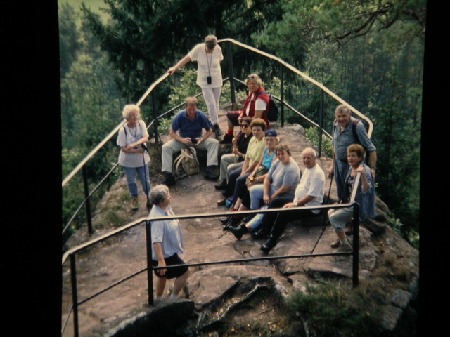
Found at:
[368, 52]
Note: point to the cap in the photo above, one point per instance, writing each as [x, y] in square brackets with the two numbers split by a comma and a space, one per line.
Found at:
[271, 132]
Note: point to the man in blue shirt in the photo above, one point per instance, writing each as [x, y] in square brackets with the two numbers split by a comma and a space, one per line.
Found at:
[186, 131]
[343, 136]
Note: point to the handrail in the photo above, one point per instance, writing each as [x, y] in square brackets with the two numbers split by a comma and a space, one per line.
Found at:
[72, 253]
[306, 77]
[164, 114]
[165, 75]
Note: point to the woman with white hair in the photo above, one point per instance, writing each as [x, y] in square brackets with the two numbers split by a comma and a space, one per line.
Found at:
[209, 75]
[167, 243]
[133, 156]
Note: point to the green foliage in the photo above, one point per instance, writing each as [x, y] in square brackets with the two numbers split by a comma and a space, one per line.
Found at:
[333, 309]
[312, 134]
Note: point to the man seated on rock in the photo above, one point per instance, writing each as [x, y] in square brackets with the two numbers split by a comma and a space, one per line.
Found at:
[309, 192]
[189, 124]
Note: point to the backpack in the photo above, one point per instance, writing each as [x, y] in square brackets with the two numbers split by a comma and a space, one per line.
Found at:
[186, 163]
[272, 110]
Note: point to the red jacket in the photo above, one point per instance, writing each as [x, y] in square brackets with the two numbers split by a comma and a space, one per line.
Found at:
[264, 96]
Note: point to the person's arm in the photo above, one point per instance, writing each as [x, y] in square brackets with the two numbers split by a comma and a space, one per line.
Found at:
[206, 135]
[176, 136]
[372, 161]
[160, 257]
[282, 189]
[179, 64]
[304, 200]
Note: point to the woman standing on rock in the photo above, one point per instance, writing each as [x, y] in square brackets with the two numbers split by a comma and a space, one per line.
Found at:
[133, 156]
[365, 196]
[167, 243]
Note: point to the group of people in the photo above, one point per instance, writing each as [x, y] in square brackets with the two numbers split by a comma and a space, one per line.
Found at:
[258, 173]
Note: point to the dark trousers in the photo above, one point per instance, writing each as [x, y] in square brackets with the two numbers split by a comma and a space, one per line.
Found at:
[232, 182]
[275, 223]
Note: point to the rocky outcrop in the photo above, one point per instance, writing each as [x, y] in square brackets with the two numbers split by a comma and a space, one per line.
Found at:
[236, 295]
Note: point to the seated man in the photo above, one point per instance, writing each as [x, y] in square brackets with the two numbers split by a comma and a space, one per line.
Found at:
[189, 124]
[309, 192]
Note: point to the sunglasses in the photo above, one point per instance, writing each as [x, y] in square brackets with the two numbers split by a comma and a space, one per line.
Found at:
[244, 125]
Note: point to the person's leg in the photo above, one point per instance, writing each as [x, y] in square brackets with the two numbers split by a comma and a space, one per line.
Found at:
[130, 173]
[338, 220]
[340, 169]
[160, 286]
[210, 102]
[211, 146]
[226, 160]
[168, 149]
[144, 179]
[233, 167]
[179, 283]
[240, 187]
[256, 194]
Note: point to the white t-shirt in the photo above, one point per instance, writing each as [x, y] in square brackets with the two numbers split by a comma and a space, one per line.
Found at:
[312, 183]
[208, 65]
[132, 135]
[259, 105]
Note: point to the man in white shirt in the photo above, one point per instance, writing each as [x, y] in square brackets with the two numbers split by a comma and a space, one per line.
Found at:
[309, 192]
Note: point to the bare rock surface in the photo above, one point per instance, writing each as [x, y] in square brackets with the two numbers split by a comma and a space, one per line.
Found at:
[215, 290]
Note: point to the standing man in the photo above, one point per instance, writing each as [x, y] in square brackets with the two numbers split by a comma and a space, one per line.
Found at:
[209, 76]
[189, 124]
[346, 133]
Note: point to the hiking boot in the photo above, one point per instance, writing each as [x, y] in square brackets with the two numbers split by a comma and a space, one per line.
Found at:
[210, 174]
[169, 179]
[216, 130]
[221, 202]
[335, 244]
[260, 234]
[239, 231]
[134, 203]
[269, 244]
[221, 186]
[226, 139]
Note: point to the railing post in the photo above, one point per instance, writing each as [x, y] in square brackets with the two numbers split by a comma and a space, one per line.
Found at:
[86, 197]
[73, 276]
[231, 76]
[148, 235]
[355, 245]
[321, 123]
[282, 95]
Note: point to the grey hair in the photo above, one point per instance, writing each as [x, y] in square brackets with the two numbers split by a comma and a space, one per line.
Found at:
[310, 150]
[342, 108]
[158, 194]
[130, 108]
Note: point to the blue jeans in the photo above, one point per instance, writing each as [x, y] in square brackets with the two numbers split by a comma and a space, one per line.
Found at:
[144, 177]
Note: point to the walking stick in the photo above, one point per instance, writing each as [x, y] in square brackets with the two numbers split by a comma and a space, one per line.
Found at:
[145, 176]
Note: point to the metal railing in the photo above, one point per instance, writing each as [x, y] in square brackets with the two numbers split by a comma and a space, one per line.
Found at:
[71, 254]
[88, 194]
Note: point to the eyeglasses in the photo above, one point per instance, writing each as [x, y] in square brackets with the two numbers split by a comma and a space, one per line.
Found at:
[244, 125]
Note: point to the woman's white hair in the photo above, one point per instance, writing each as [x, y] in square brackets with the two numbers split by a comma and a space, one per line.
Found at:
[131, 108]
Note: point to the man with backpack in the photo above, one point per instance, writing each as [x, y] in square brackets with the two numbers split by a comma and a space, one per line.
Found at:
[346, 131]
[186, 131]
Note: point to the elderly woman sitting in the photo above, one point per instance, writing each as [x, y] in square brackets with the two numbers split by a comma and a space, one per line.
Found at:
[364, 196]
[167, 243]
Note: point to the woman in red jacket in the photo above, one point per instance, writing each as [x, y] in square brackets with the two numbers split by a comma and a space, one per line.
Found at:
[255, 106]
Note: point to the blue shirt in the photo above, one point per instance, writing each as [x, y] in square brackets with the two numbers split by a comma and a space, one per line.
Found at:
[190, 128]
[166, 232]
[342, 139]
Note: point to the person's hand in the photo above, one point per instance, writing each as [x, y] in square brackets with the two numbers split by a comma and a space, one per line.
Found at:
[289, 205]
[330, 173]
[360, 168]
[235, 150]
[186, 140]
[266, 198]
[171, 70]
[162, 263]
